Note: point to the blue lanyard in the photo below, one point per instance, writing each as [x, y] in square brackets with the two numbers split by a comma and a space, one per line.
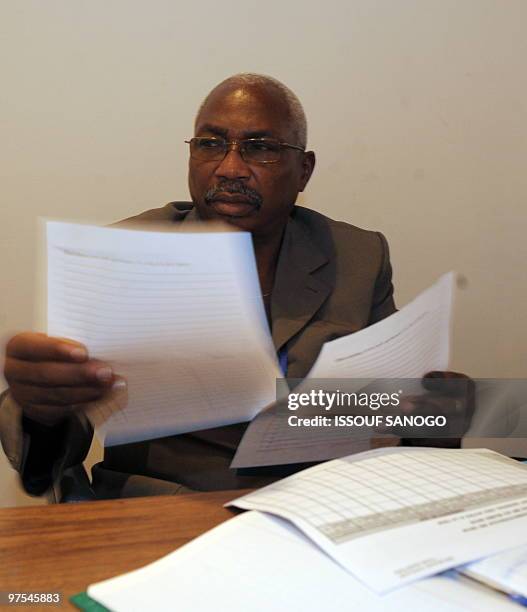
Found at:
[282, 359]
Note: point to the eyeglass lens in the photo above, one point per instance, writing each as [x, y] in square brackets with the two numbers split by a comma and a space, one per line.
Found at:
[215, 149]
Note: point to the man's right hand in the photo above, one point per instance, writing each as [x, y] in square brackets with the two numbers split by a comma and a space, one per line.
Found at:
[49, 377]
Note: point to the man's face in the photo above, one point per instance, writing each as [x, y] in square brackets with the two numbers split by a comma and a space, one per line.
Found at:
[255, 197]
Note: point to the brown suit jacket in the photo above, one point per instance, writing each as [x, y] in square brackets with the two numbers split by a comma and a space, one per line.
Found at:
[332, 279]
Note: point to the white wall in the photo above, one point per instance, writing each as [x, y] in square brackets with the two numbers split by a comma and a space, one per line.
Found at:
[417, 110]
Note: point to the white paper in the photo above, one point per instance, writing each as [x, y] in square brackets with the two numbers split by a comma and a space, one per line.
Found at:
[405, 345]
[392, 516]
[260, 563]
[178, 314]
[506, 571]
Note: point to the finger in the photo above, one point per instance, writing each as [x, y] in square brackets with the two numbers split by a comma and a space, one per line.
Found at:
[30, 346]
[448, 383]
[445, 374]
[49, 373]
[110, 400]
[113, 401]
[54, 396]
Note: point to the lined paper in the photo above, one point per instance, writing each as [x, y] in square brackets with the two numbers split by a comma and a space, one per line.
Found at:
[405, 345]
[179, 315]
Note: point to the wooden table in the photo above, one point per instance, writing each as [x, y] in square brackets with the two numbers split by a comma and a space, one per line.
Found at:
[67, 547]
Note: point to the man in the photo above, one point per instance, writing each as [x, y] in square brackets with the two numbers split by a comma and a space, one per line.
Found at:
[320, 279]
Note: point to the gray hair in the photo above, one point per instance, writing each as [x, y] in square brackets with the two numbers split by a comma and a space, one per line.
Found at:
[296, 112]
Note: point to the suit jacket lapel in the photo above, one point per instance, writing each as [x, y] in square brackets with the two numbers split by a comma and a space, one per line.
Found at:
[188, 216]
[302, 283]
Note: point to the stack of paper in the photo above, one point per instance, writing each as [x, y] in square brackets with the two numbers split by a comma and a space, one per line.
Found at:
[260, 563]
[365, 533]
[427, 510]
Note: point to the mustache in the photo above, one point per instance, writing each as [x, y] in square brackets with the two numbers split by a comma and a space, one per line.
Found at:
[234, 187]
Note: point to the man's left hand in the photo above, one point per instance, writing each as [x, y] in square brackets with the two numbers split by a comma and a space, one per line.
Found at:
[451, 397]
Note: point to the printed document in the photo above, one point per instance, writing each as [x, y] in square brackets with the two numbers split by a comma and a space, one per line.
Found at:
[259, 563]
[406, 345]
[179, 315]
[391, 516]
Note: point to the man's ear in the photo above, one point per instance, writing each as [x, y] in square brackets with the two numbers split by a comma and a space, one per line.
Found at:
[308, 165]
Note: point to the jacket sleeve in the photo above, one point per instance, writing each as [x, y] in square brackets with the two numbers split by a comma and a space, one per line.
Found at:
[383, 304]
[39, 453]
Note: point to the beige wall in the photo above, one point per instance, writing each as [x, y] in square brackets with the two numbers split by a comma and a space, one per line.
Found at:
[417, 111]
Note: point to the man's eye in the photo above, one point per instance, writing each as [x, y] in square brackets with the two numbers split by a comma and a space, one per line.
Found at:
[209, 143]
[261, 145]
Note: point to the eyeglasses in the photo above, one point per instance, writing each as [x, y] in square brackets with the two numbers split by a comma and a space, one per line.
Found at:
[252, 150]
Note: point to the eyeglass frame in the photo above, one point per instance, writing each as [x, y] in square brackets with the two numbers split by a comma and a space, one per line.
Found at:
[238, 142]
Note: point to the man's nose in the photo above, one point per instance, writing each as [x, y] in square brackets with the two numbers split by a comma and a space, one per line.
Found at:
[233, 165]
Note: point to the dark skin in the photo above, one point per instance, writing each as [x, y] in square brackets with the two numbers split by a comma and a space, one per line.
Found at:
[236, 113]
[49, 377]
